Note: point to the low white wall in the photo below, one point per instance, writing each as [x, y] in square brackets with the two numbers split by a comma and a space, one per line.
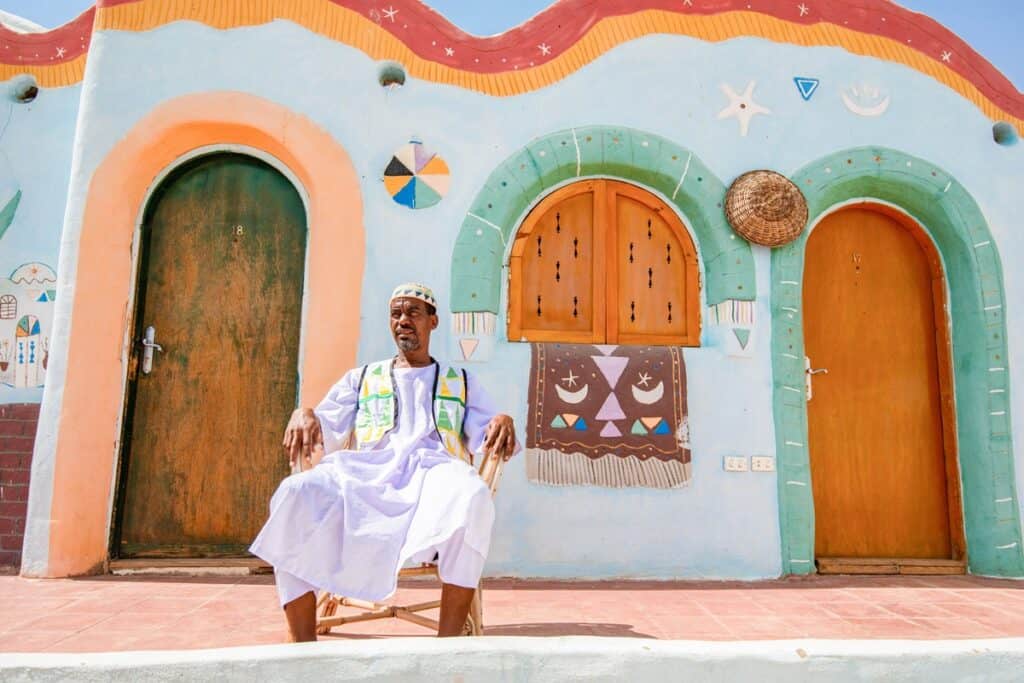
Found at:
[466, 660]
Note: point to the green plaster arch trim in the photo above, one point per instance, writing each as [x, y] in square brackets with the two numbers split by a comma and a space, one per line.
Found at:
[601, 151]
[982, 393]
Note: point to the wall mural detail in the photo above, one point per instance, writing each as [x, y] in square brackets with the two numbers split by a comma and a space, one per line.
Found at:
[866, 100]
[607, 415]
[553, 45]
[10, 206]
[742, 107]
[731, 326]
[415, 177]
[474, 334]
[806, 86]
[26, 316]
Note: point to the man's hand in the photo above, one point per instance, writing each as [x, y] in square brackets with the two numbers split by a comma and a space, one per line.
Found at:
[302, 437]
[500, 436]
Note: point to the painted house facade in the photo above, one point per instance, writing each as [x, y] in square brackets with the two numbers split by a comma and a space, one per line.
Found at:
[206, 205]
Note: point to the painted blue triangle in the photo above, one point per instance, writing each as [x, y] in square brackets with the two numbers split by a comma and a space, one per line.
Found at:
[407, 195]
[662, 428]
[581, 425]
[806, 86]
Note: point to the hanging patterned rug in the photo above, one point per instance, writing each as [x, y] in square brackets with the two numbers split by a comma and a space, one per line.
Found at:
[612, 416]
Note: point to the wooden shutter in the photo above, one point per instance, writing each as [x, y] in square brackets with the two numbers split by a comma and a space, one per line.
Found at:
[602, 261]
[554, 293]
[656, 272]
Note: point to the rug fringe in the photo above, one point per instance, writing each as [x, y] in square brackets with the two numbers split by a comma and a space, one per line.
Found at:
[544, 466]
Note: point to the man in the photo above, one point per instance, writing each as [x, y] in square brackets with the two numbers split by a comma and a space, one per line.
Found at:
[396, 483]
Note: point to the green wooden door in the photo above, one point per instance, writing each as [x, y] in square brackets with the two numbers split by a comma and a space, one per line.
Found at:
[223, 251]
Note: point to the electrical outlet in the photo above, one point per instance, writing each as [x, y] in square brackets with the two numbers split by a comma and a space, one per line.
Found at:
[734, 463]
[762, 463]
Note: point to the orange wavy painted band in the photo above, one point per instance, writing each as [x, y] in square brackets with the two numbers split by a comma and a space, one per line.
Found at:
[573, 33]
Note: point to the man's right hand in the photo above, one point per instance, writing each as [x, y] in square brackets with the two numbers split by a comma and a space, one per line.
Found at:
[302, 437]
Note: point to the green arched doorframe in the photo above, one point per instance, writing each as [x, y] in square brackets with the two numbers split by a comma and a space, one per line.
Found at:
[596, 151]
[981, 378]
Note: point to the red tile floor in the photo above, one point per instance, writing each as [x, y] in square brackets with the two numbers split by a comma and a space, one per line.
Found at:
[145, 613]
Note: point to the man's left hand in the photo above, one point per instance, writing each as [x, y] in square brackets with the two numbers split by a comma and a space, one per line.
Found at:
[500, 436]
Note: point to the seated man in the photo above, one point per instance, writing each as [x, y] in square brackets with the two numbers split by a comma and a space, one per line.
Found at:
[406, 490]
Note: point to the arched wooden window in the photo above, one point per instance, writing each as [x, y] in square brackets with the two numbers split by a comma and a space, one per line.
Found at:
[8, 307]
[604, 262]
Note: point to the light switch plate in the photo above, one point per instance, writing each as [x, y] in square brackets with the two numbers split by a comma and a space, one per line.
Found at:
[734, 463]
[762, 463]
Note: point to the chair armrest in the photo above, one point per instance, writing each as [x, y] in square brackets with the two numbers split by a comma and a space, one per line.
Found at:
[491, 470]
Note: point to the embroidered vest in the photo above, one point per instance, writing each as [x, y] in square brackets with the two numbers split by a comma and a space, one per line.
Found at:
[378, 406]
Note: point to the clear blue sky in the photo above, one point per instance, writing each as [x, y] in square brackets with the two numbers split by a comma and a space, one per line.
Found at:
[992, 27]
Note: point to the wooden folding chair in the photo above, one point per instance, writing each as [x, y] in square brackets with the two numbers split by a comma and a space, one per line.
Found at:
[328, 604]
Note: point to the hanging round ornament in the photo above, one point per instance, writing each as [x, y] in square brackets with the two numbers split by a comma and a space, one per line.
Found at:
[766, 208]
[416, 177]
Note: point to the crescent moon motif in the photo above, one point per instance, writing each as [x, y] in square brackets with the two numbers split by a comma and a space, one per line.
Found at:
[876, 110]
[573, 397]
[651, 396]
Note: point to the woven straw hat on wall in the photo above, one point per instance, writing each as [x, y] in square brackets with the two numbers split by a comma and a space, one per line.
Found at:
[766, 208]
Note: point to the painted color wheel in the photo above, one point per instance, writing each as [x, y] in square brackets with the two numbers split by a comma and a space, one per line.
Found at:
[416, 178]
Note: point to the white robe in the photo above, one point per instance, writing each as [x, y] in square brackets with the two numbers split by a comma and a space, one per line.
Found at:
[351, 522]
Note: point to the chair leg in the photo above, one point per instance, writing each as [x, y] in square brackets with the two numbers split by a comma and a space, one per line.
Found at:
[475, 619]
[328, 608]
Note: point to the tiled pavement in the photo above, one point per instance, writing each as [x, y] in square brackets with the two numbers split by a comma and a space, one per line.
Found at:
[144, 613]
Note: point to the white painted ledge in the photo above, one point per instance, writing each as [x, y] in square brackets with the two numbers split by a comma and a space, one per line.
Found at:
[468, 660]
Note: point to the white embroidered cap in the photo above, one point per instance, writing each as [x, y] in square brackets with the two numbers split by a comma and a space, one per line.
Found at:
[414, 290]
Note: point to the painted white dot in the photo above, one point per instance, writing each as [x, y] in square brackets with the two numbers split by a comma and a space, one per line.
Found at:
[543, 153]
[828, 170]
[433, 42]
[909, 164]
[644, 143]
[479, 231]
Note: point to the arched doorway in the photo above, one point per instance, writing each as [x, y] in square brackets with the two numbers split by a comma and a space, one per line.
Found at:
[220, 291]
[880, 414]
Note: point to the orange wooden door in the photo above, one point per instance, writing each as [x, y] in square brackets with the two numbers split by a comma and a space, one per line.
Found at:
[878, 461]
[221, 283]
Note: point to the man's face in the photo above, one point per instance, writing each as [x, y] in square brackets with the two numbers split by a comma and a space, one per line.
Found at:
[411, 323]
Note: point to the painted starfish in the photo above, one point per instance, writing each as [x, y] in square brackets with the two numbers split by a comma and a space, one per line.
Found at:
[742, 107]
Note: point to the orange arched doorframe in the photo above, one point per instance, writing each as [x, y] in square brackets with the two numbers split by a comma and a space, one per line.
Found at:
[92, 398]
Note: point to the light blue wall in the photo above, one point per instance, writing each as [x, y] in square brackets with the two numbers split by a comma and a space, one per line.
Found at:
[36, 141]
[722, 525]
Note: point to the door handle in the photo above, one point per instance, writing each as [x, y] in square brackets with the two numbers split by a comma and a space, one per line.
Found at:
[149, 345]
[809, 372]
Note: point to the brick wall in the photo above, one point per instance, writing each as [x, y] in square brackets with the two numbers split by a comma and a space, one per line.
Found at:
[17, 435]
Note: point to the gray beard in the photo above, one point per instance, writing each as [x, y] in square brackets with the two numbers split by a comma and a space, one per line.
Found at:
[409, 344]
